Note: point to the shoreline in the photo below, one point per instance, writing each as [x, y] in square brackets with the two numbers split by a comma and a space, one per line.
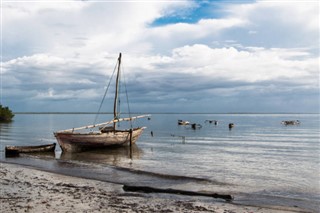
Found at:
[25, 189]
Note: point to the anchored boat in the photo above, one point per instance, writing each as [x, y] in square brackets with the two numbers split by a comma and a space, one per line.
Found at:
[71, 140]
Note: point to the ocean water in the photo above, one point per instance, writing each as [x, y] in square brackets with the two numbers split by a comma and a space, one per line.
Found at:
[259, 161]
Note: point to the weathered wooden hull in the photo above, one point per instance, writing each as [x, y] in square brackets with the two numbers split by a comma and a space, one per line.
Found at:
[79, 142]
[15, 150]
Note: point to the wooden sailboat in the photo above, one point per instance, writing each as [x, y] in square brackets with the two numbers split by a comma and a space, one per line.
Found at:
[72, 141]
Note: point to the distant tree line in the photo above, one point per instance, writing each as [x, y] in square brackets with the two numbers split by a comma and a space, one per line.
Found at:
[6, 114]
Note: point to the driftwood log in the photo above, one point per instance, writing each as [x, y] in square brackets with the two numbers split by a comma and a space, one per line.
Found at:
[147, 189]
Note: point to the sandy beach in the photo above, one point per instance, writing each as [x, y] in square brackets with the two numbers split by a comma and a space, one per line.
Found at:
[24, 189]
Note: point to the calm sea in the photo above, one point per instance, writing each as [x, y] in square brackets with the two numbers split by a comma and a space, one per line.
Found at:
[259, 161]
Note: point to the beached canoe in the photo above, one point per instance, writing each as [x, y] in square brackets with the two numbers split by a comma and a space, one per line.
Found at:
[15, 150]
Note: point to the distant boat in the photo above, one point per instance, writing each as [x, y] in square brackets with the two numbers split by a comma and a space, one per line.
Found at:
[71, 141]
[196, 126]
[15, 150]
[181, 122]
[212, 121]
[293, 122]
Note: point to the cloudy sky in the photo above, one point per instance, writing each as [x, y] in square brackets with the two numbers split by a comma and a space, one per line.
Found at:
[178, 56]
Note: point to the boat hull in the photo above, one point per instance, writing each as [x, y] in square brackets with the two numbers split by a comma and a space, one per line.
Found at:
[15, 150]
[79, 142]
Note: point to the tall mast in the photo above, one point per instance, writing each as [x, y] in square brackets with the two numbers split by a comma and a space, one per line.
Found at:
[116, 93]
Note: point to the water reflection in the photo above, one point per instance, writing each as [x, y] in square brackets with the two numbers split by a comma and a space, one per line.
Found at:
[113, 156]
[40, 155]
[5, 129]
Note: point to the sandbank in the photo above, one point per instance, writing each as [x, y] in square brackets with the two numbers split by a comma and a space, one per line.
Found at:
[24, 189]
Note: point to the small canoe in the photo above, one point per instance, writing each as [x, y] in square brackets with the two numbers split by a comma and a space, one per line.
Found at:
[15, 150]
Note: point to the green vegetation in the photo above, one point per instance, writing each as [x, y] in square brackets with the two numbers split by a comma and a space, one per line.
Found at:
[6, 114]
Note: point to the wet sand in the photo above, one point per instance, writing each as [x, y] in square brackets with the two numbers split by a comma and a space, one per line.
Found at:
[23, 189]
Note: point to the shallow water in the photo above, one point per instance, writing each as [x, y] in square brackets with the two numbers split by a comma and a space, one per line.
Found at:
[259, 161]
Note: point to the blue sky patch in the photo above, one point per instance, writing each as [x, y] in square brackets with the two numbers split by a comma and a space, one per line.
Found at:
[200, 10]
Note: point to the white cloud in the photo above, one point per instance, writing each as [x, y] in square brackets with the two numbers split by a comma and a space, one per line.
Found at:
[53, 95]
[201, 29]
[79, 28]
[248, 65]
[301, 13]
[66, 51]
[281, 23]
[188, 71]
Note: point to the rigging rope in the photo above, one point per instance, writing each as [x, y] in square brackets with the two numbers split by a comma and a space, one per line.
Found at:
[127, 97]
[105, 93]
[125, 88]
[119, 106]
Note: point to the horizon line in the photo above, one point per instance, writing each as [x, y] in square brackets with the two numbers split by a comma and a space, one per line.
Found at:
[168, 113]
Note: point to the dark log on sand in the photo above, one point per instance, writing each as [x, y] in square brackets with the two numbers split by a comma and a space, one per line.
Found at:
[147, 189]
